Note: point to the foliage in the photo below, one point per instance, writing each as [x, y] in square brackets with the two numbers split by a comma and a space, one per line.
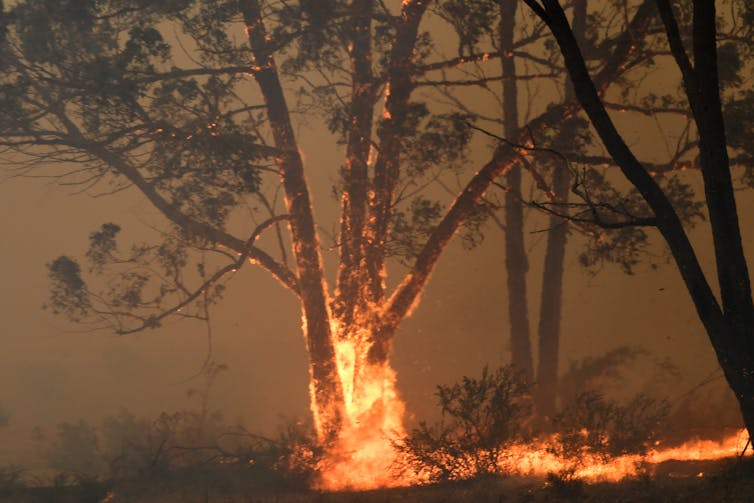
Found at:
[411, 227]
[131, 296]
[68, 294]
[591, 424]
[592, 373]
[181, 445]
[481, 417]
[180, 448]
[193, 135]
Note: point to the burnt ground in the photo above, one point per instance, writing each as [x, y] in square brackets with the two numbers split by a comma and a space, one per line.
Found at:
[730, 480]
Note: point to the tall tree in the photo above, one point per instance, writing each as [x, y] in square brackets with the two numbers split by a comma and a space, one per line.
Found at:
[516, 260]
[550, 178]
[729, 322]
[201, 125]
[551, 291]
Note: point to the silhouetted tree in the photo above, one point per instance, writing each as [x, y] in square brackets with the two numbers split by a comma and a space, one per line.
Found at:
[201, 124]
[729, 322]
[562, 159]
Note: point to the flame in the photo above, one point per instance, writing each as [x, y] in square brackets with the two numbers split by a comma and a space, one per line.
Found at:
[364, 455]
[536, 460]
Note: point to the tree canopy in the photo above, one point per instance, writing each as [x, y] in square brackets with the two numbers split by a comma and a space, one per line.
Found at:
[197, 105]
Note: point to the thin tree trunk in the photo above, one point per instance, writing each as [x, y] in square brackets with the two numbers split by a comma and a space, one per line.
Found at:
[327, 393]
[516, 262]
[355, 176]
[400, 85]
[551, 304]
[406, 294]
[729, 328]
[551, 307]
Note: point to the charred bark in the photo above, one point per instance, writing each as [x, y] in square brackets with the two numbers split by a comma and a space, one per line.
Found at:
[400, 85]
[355, 171]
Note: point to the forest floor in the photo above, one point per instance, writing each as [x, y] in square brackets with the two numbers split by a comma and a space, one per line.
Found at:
[730, 480]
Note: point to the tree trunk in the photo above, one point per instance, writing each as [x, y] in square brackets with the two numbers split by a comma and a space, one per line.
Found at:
[398, 91]
[733, 342]
[551, 306]
[732, 271]
[326, 389]
[516, 262]
[551, 303]
[355, 172]
[730, 328]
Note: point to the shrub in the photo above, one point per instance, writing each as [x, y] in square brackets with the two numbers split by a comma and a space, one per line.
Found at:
[592, 425]
[11, 479]
[481, 417]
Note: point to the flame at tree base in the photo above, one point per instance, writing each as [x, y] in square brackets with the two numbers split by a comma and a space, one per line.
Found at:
[371, 464]
[364, 455]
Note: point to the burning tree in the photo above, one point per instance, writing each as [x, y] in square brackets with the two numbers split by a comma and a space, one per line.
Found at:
[201, 123]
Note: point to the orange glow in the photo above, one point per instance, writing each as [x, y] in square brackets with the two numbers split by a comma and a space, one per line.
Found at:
[536, 460]
[363, 455]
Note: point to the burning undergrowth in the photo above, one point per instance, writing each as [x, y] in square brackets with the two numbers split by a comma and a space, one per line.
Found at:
[488, 429]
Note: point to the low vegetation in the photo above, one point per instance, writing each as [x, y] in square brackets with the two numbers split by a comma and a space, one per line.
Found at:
[481, 418]
[195, 455]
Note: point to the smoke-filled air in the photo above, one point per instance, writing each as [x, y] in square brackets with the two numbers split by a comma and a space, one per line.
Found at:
[362, 250]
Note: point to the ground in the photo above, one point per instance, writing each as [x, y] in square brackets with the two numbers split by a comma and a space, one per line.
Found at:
[730, 480]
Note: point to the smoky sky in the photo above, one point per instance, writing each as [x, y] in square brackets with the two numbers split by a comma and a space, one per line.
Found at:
[52, 370]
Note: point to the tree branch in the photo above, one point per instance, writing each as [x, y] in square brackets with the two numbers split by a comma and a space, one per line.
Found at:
[170, 211]
[668, 223]
[153, 321]
[401, 301]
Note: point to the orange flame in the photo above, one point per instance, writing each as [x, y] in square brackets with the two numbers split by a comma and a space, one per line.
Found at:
[364, 455]
[536, 460]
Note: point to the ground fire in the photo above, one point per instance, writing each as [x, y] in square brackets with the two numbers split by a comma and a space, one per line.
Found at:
[365, 454]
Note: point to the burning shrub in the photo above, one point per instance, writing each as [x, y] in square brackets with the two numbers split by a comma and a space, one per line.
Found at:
[481, 417]
[592, 426]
